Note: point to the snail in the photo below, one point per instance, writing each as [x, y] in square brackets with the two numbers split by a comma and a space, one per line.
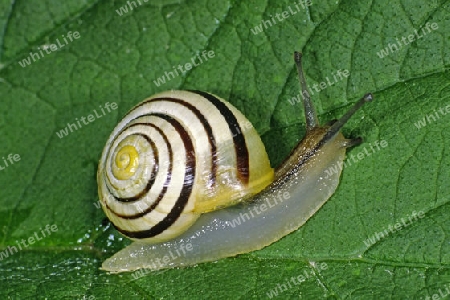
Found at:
[187, 178]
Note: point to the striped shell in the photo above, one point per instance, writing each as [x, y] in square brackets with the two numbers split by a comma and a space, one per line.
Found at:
[175, 156]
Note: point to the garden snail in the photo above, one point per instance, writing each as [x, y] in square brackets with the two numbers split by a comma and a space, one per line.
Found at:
[186, 176]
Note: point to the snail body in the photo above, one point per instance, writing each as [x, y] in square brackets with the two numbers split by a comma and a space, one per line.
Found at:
[240, 206]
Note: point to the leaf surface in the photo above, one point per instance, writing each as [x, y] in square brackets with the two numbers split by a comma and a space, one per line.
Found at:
[119, 58]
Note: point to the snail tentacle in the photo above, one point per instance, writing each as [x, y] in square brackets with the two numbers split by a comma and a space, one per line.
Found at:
[310, 112]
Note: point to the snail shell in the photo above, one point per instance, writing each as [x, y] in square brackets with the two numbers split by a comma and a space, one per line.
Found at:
[262, 208]
[175, 156]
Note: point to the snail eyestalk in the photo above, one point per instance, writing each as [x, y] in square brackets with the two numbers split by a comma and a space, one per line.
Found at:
[310, 113]
[336, 127]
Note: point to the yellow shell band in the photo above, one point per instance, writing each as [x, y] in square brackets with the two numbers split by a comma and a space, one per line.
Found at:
[127, 161]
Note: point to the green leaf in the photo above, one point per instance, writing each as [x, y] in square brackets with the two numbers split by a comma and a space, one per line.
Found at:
[118, 58]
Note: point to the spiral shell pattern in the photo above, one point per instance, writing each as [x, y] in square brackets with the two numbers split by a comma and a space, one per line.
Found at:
[175, 156]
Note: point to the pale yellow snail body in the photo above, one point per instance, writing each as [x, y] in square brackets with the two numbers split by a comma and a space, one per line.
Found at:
[186, 176]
